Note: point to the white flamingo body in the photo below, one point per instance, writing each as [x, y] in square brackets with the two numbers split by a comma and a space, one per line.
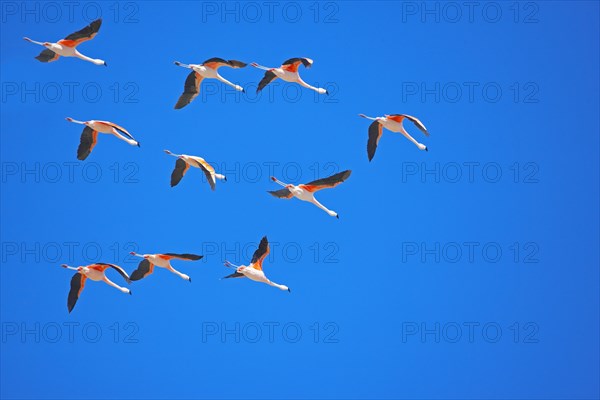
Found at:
[287, 76]
[259, 276]
[397, 127]
[305, 195]
[104, 127]
[92, 274]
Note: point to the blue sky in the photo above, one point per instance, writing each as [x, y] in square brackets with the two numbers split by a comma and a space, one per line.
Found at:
[469, 271]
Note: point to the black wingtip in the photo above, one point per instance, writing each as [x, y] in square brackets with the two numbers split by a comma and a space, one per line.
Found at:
[289, 290]
[243, 90]
[138, 144]
[105, 64]
[426, 149]
[327, 92]
[337, 216]
[130, 292]
[190, 280]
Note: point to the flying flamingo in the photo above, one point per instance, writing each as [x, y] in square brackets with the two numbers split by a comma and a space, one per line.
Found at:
[183, 164]
[67, 47]
[393, 123]
[288, 72]
[146, 266]
[208, 69]
[305, 192]
[95, 272]
[254, 270]
[89, 136]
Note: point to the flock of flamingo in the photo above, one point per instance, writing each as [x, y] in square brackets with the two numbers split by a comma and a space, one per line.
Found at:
[288, 72]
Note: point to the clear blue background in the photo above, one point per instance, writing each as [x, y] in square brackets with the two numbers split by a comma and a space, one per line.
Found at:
[369, 289]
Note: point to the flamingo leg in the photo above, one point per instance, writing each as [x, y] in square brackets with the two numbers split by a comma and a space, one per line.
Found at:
[233, 85]
[131, 142]
[111, 283]
[183, 276]
[322, 207]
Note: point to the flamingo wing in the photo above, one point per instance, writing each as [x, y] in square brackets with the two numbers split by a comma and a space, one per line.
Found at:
[85, 34]
[375, 131]
[268, 78]
[217, 62]
[77, 284]
[191, 89]
[144, 269]
[234, 275]
[260, 254]
[185, 256]
[88, 140]
[327, 183]
[117, 127]
[293, 63]
[417, 123]
[208, 170]
[105, 266]
[282, 193]
[47, 56]
[181, 168]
